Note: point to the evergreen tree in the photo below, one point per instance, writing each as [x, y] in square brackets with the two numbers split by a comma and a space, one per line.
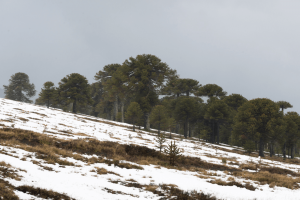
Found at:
[158, 116]
[74, 88]
[19, 88]
[160, 140]
[257, 120]
[173, 151]
[146, 75]
[177, 87]
[185, 110]
[47, 95]
[211, 90]
[292, 132]
[97, 92]
[284, 105]
[217, 112]
[111, 85]
[134, 113]
[235, 101]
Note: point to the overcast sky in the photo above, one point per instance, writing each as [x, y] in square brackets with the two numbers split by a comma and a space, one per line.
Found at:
[247, 47]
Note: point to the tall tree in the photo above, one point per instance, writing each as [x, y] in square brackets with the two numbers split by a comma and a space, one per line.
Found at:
[146, 75]
[97, 92]
[217, 112]
[74, 88]
[177, 87]
[19, 88]
[158, 116]
[292, 133]
[110, 84]
[235, 100]
[186, 109]
[284, 105]
[134, 113]
[211, 90]
[47, 95]
[257, 120]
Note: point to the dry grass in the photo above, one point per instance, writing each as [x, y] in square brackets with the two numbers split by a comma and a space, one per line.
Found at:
[265, 177]
[249, 166]
[167, 191]
[6, 191]
[102, 171]
[43, 193]
[232, 183]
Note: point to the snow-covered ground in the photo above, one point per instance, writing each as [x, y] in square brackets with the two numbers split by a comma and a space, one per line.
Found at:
[81, 182]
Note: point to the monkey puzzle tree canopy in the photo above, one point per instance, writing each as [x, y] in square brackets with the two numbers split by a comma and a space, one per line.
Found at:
[211, 90]
[47, 94]
[145, 75]
[235, 100]
[284, 105]
[74, 88]
[19, 88]
[258, 120]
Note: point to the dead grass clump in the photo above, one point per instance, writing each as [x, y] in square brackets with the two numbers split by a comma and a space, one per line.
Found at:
[6, 171]
[6, 191]
[232, 183]
[23, 119]
[277, 170]
[119, 192]
[122, 165]
[167, 191]
[102, 171]
[43, 193]
[265, 177]
[182, 195]
[248, 166]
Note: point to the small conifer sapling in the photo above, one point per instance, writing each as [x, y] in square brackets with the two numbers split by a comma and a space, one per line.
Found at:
[160, 140]
[173, 151]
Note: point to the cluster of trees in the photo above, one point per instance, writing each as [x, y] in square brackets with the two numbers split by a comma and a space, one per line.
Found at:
[144, 91]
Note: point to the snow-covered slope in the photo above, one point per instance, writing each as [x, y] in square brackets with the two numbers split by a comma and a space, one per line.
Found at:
[81, 182]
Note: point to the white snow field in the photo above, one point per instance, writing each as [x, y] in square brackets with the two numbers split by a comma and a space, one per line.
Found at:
[81, 182]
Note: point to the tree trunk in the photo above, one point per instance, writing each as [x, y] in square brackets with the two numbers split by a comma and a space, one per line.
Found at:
[147, 121]
[261, 148]
[48, 102]
[122, 111]
[133, 127]
[115, 108]
[271, 149]
[218, 136]
[292, 151]
[212, 136]
[186, 128]
[177, 128]
[189, 129]
[158, 131]
[284, 151]
[75, 106]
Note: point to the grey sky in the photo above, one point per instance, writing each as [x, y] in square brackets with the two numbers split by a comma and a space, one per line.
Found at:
[247, 47]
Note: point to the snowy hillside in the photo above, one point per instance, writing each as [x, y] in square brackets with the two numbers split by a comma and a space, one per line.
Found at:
[75, 171]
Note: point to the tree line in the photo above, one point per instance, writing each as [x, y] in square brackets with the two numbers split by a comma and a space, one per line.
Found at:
[145, 91]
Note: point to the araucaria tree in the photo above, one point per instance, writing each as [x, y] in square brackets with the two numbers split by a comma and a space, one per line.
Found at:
[146, 75]
[47, 95]
[74, 88]
[134, 113]
[19, 88]
[158, 116]
[258, 120]
[185, 109]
